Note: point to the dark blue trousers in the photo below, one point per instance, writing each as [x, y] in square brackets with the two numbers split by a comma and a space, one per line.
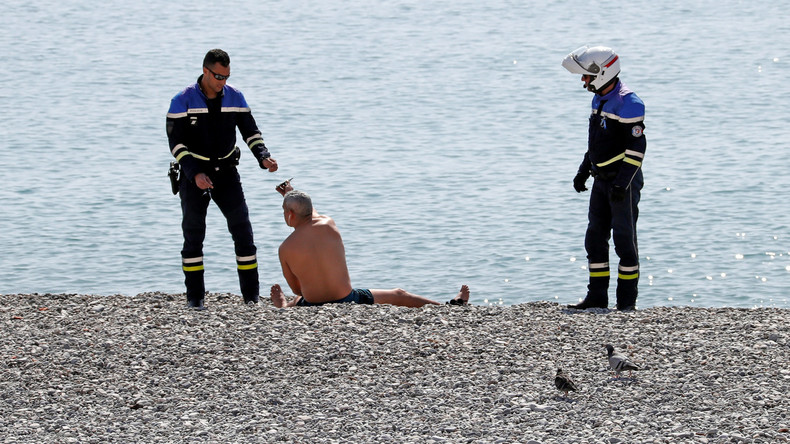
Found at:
[616, 220]
[229, 197]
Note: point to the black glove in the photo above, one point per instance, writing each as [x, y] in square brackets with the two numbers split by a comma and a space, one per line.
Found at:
[618, 193]
[579, 180]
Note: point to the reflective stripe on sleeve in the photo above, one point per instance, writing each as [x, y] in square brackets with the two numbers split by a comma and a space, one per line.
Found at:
[253, 137]
[178, 147]
[621, 119]
[634, 157]
[633, 153]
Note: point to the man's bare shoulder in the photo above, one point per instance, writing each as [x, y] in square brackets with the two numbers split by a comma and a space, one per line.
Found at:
[316, 224]
[323, 219]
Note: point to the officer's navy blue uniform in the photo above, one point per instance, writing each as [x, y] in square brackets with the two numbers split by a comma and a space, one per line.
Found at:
[616, 147]
[202, 137]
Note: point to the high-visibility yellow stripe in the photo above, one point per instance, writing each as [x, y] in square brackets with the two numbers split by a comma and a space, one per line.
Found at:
[248, 267]
[195, 268]
[632, 161]
[628, 277]
[253, 137]
[256, 142]
[178, 148]
[612, 160]
[199, 157]
[229, 154]
[596, 274]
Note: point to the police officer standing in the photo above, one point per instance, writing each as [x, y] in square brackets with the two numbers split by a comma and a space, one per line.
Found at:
[616, 147]
[201, 130]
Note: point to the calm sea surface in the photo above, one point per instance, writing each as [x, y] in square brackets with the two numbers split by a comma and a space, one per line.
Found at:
[441, 136]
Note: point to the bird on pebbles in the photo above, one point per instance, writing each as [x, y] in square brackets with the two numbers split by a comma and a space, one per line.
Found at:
[563, 382]
[618, 362]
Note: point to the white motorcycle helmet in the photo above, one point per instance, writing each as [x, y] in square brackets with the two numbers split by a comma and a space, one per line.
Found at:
[599, 62]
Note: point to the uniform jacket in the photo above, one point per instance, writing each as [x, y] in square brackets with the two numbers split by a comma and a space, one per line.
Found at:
[616, 142]
[202, 132]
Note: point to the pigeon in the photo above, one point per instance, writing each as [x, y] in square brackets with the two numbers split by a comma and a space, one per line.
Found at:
[563, 382]
[618, 362]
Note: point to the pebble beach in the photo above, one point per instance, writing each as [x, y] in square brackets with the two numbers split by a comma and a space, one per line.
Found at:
[86, 368]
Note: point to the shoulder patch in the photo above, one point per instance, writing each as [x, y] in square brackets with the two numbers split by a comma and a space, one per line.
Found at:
[636, 131]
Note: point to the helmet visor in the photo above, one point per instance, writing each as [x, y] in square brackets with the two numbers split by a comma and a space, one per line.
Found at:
[581, 61]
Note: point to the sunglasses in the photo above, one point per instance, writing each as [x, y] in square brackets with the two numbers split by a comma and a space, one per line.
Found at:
[217, 76]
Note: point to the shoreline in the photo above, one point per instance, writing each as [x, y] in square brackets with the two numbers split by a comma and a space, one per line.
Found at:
[82, 368]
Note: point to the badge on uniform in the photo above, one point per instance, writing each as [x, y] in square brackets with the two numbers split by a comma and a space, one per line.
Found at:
[636, 131]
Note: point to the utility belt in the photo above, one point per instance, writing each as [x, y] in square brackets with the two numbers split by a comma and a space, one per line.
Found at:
[224, 163]
[599, 173]
[603, 175]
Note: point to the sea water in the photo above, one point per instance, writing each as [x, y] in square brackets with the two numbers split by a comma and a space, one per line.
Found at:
[441, 136]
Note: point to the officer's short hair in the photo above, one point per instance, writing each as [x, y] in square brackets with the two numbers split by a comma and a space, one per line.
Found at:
[216, 56]
[299, 202]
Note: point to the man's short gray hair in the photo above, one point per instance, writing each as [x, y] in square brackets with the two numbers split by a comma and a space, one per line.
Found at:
[299, 202]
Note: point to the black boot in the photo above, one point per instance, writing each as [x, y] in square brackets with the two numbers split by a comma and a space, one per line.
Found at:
[589, 303]
[197, 304]
[251, 299]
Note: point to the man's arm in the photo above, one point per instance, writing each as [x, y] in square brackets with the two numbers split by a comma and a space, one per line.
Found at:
[289, 276]
[176, 126]
[632, 127]
[252, 135]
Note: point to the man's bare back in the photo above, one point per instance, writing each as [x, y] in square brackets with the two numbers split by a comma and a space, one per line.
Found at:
[315, 258]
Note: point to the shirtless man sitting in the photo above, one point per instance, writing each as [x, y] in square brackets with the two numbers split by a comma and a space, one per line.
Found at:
[313, 260]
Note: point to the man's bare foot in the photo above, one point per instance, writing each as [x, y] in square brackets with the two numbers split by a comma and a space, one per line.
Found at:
[278, 297]
[462, 298]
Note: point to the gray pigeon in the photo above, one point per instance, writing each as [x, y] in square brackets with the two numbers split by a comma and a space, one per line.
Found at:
[563, 382]
[618, 362]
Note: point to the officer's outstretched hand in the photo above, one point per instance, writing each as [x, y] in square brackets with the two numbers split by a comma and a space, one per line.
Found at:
[618, 193]
[579, 182]
[270, 164]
